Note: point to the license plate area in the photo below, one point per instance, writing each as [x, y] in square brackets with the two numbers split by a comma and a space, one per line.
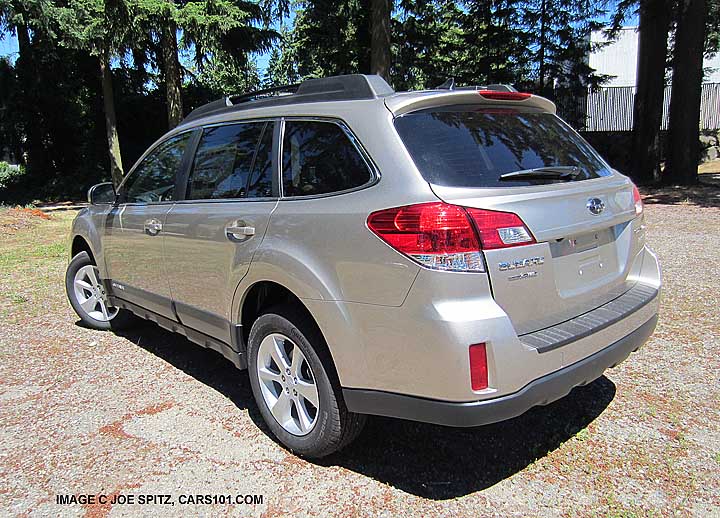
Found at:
[582, 242]
[585, 262]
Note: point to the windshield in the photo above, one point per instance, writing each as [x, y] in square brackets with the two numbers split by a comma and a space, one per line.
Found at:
[472, 146]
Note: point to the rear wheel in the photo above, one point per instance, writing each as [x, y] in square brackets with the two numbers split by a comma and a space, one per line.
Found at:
[295, 384]
[87, 297]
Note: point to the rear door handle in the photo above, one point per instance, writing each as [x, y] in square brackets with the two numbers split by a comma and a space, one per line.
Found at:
[238, 232]
[153, 227]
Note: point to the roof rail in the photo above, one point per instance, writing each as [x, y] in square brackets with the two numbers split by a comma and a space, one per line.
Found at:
[237, 99]
[335, 88]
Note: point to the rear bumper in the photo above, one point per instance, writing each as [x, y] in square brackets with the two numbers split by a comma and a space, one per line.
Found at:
[542, 391]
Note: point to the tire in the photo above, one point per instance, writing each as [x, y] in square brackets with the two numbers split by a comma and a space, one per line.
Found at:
[83, 269]
[333, 427]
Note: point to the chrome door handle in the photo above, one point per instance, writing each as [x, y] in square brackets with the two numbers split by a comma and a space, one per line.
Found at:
[153, 227]
[236, 232]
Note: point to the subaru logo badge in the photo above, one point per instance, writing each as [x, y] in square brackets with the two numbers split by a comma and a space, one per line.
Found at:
[595, 206]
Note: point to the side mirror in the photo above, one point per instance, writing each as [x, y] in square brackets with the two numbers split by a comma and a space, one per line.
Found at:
[101, 193]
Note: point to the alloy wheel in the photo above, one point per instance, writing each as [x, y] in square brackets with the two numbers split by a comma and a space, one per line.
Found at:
[287, 384]
[90, 294]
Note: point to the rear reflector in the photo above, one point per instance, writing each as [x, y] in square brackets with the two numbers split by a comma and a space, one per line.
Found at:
[478, 367]
[448, 237]
[638, 201]
[504, 96]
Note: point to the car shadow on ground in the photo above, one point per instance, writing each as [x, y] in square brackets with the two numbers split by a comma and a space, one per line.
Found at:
[440, 463]
[430, 461]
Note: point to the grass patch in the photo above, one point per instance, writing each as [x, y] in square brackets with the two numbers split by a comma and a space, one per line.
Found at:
[583, 435]
[33, 255]
[16, 298]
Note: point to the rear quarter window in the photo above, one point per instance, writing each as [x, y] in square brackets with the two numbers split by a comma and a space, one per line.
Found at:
[319, 158]
[473, 146]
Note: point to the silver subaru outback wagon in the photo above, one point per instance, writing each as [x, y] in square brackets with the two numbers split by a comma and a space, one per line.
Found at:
[453, 256]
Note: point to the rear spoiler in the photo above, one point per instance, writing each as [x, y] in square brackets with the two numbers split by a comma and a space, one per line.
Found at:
[400, 104]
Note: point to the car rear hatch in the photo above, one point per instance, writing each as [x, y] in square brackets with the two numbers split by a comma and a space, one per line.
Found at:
[524, 160]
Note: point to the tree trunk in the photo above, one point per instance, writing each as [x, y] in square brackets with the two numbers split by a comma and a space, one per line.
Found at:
[380, 38]
[171, 73]
[113, 140]
[37, 159]
[684, 128]
[647, 111]
[541, 50]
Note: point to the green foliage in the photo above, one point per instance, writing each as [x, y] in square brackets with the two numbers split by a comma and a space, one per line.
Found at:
[501, 46]
[51, 99]
[226, 77]
[282, 65]
[223, 30]
[101, 27]
[331, 38]
[712, 37]
[10, 175]
[538, 45]
[427, 44]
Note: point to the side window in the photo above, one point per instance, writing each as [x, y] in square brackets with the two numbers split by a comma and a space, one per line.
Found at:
[319, 158]
[223, 162]
[260, 185]
[154, 178]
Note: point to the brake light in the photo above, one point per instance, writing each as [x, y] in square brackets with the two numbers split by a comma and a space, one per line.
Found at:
[448, 237]
[500, 229]
[436, 235]
[478, 367]
[504, 96]
[638, 201]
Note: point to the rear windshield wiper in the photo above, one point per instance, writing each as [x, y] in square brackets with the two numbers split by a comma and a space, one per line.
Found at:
[543, 173]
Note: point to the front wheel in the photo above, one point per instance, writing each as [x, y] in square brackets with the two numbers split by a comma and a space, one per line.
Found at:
[86, 294]
[295, 385]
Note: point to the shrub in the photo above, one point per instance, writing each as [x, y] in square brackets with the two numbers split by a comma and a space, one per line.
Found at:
[10, 174]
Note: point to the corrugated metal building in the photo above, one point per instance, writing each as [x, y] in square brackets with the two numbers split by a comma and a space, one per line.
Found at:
[610, 108]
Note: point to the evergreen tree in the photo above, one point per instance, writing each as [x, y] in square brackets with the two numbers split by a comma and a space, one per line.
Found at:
[497, 44]
[104, 29]
[282, 65]
[331, 38]
[428, 44]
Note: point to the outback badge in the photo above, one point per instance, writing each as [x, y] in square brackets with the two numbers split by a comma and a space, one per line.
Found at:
[521, 263]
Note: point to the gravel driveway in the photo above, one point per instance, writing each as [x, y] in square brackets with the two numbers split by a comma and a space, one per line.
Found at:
[148, 413]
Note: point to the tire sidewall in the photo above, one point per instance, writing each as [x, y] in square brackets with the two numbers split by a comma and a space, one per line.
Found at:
[328, 412]
[77, 262]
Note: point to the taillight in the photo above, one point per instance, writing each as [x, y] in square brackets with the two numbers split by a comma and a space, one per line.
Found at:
[448, 237]
[500, 229]
[638, 201]
[504, 96]
[436, 235]
[478, 367]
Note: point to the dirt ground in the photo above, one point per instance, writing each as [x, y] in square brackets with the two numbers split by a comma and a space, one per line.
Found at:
[146, 412]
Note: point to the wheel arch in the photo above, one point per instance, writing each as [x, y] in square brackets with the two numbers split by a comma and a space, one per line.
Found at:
[265, 294]
[80, 244]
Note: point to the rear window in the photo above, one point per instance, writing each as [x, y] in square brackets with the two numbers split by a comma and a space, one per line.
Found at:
[472, 146]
